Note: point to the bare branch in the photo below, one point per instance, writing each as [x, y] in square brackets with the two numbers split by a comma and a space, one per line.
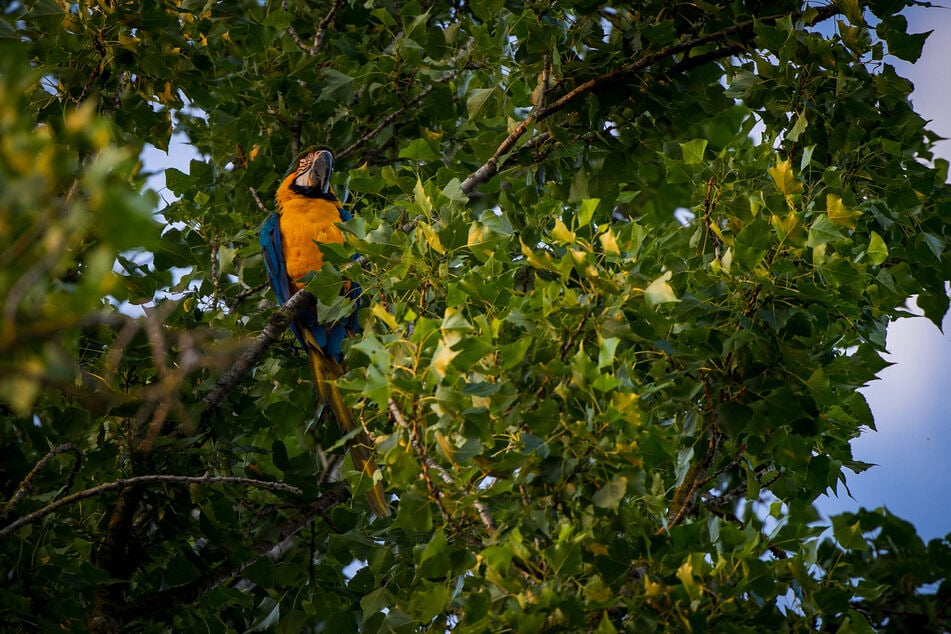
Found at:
[145, 479]
[240, 297]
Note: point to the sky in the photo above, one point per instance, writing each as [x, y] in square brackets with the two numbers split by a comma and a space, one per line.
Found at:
[911, 401]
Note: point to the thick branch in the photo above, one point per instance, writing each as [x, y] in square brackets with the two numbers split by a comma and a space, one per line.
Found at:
[137, 480]
[491, 167]
[276, 326]
[28, 480]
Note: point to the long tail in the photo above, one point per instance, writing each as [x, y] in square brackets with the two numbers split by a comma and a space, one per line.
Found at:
[326, 370]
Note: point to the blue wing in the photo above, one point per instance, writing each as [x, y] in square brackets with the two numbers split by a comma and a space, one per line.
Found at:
[328, 336]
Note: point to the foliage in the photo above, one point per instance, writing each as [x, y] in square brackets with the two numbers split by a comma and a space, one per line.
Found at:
[624, 272]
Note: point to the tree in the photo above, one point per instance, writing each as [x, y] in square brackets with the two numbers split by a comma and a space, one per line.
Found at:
[624, 270]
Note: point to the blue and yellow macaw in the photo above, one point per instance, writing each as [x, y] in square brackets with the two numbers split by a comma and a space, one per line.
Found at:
[307, 214]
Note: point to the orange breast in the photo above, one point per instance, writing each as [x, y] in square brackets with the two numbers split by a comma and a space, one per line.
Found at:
[304, 221]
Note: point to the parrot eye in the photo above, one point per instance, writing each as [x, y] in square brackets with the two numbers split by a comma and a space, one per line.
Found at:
[305, 163]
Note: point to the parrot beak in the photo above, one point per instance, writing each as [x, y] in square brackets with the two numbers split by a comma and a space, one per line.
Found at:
[317, 174]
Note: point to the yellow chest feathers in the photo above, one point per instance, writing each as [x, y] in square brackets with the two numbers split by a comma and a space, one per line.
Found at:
[303, 222]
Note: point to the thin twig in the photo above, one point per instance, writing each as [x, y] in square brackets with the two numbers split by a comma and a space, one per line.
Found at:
[449, 75]
[429, 464]
[28, 480]
[387, 120]
[321, 29]
[686, 494]
[240, 297]
[416, 443]
[215, 272]
[257, 199]
[708, 206]
[144, 479]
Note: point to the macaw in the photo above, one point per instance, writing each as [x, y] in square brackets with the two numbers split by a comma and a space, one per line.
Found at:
[307, 214]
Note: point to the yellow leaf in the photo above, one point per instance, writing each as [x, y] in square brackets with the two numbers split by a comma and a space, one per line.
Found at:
[383, 315]
[785, 179]
[477, 234]
[787, 227]
[839, 213]
[445, 445]
[609, 243]
[652, 589]
[660, 291]
[444, 354]
[540, 260]
[422, 198]
[432, 238]
[626, 404]
[561, 232]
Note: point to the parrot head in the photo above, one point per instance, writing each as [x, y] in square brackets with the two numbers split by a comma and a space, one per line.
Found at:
[311, 174]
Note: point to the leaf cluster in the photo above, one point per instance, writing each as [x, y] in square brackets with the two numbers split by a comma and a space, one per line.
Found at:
[624, 271]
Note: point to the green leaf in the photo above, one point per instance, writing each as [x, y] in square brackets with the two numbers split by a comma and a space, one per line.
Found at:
[586, 211]
[453, 191]
[822, 231]
[877, 250]
[606, 351]
[752, 243]
[478, 100]
[336, 86]
[852, 10]
[414, 513]
[848, 533]
[693, 151]
[429, 600]
[419, 150]
[798, 128]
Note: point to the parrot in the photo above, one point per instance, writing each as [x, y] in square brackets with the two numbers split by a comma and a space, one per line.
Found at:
[307, 214]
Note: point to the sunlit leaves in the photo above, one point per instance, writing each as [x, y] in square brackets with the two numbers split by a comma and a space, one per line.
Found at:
[605, 385]
[786, 182]
[660, 291]
[877, 250]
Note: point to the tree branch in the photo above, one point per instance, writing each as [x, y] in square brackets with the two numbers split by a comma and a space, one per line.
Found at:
[28, 480]
[144, 479]
[490, 167]
[276, 326]
[685, 496]
[429, 464]
[273, 548]
[321, 29]
[393, 116]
